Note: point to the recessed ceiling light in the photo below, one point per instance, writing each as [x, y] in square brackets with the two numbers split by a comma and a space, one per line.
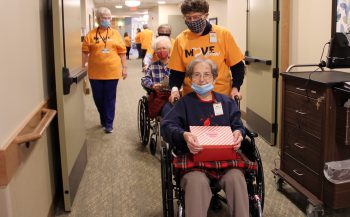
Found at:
[132, 3]
[118, 6]
[161, 2]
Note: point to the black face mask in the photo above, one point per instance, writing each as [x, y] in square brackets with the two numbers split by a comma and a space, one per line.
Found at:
[163, 34]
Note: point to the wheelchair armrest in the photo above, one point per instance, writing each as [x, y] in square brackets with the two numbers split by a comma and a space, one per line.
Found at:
[250, 133]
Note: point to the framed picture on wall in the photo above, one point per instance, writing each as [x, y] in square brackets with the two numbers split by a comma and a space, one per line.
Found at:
[340, 16]
[213, 20]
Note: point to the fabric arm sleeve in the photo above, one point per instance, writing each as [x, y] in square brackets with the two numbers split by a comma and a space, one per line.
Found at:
[237, 72]
[176, 78]
[235, 118]
[147, 81]
[173, 126]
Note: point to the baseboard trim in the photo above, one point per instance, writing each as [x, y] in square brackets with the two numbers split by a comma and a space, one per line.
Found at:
[78, 171]
[259, 125]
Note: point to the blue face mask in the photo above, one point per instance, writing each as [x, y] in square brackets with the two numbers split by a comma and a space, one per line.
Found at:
[105, 23]
[202, 89]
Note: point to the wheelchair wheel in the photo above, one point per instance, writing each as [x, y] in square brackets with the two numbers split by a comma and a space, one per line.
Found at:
[167, 187]
[255, 181]
[143, 121]
[153, 144]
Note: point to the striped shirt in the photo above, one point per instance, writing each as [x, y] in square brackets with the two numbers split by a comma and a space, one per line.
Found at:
[155, 73]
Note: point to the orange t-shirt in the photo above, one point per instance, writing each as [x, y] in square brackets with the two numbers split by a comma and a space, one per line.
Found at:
[137, 38]
[223, 51]
[127, 40]
[104, 65]
[146, 38]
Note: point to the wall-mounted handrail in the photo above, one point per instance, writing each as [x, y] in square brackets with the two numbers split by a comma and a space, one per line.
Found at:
[46, 117]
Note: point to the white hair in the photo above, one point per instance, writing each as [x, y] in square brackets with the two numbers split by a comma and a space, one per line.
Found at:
[102, 11]
[160, 39]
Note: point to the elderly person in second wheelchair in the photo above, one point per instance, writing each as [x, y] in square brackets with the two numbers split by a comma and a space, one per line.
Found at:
[204, 107]
[156, 78]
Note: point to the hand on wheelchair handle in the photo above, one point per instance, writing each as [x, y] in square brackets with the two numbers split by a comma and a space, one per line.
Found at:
[174, 97]
[192, 143]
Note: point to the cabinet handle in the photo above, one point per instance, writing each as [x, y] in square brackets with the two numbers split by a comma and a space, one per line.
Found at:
[300, 112]
[298, 145]
[301, 89]
[296, 172]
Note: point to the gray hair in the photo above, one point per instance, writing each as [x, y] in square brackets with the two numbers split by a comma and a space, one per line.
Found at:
[161, 39]
[101, 11]
[197, 60]
[164, 26]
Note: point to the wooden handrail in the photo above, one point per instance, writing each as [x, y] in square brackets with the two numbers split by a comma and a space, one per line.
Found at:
[46, 117]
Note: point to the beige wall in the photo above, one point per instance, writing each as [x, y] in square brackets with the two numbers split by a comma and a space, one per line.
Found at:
[310, 30]
[22, 66]
[23, 89]
[153, 19]
[218, 9]
[236, 23]
[31, 189]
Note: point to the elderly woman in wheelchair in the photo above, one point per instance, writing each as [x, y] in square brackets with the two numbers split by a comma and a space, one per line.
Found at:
[155, 82]
[204, 107]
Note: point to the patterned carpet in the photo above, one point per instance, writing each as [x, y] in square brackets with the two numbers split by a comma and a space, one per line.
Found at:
[122, 178]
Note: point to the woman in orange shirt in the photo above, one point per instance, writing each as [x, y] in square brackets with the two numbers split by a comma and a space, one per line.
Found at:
[138, 41]
[127, 40]
[104, 51]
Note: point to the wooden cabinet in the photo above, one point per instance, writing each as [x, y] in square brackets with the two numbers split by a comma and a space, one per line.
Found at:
[314, 132]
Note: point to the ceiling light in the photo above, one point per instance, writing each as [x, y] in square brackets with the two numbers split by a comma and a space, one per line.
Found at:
[132, 3]
[118, 6]
[161, 2]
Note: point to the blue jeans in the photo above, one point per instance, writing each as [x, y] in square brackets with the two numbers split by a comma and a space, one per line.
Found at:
[104, 93]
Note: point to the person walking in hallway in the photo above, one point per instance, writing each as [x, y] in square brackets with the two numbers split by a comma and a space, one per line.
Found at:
[146, 38]
[151, 56]
[103, 53]
[138, 41]
[127, 40]
[204, 39]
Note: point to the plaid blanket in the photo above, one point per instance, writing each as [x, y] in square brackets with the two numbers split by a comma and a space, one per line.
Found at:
[213, 169]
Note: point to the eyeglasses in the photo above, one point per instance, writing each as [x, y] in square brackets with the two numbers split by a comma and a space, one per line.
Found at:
[206, 76]
[193, 18]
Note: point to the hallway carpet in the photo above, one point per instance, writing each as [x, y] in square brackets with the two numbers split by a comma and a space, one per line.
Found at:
[122, 178]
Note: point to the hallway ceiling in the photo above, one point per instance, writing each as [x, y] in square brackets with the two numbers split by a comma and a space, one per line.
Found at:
[126, 11]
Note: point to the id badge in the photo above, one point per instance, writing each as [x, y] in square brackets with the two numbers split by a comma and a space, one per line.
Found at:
[212, 37]
[105, 50]
[218, 109]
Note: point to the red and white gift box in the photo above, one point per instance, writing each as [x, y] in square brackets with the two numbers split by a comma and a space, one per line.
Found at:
[217, 143]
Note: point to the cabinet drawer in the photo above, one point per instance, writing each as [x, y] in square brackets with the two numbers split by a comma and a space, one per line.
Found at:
[303, 147]
[304, 112]
[303, 175]
[304, 87]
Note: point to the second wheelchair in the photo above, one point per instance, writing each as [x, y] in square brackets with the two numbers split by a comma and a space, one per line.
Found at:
[149, 120]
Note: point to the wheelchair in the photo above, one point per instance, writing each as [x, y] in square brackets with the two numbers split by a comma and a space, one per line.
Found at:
[148, 128]
[171, 188]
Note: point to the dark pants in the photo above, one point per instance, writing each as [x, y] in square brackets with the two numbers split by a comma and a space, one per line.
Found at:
[138, 46]
[104, 94]
[143, 54]
[127, 52]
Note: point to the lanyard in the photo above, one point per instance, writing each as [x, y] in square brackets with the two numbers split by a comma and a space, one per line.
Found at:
[104, 39]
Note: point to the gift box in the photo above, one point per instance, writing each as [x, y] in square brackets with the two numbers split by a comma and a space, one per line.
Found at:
[217, 143]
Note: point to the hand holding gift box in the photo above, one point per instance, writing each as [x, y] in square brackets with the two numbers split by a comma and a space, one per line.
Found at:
[213, 143]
